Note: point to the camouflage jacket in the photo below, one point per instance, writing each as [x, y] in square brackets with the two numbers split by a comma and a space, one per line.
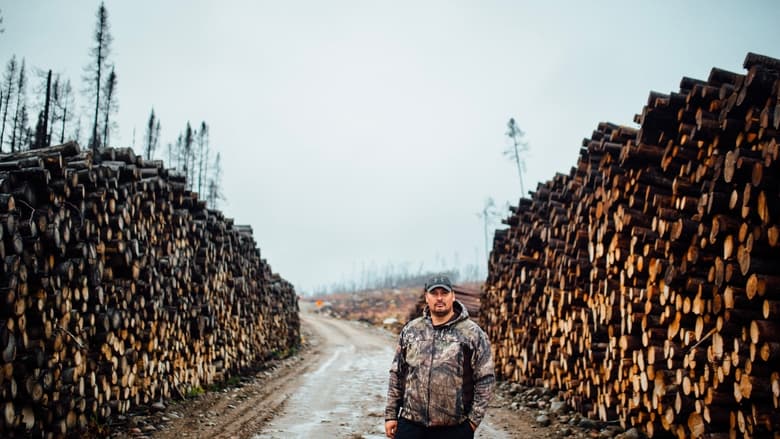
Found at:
[441, 375]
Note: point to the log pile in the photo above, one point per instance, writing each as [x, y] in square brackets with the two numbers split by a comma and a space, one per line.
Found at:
[645, 284]
[120, 289]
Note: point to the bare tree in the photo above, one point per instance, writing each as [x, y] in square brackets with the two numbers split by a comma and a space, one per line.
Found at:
[171, 153]
[26, 135]
[187, 153]
[97, 67]
[152, 135]
[110, 105]
[42, 127]
[487, 214]
[156, 135]
[177, 151]
[9, 82]
[203, 153]
[18, 130]
[55, 108]
[516, 150]
[215, 184]
[63, 103]
[77, 131]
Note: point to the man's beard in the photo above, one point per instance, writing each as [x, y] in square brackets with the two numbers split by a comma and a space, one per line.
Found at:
[440, 313]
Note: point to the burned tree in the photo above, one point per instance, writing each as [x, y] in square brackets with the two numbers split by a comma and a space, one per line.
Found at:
[97, 67]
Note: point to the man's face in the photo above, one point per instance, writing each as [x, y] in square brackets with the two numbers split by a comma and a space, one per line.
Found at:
[439, 301]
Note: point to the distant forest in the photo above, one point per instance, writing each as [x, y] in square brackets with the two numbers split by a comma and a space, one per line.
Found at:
[396, 276]
[50, 115]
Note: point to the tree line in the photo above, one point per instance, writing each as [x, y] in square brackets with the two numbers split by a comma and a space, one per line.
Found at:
[403, 275]
[58, 119]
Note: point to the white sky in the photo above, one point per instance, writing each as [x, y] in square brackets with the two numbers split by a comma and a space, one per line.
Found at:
[363, 133]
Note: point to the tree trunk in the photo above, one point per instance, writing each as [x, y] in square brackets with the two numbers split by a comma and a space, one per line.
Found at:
[46, 139]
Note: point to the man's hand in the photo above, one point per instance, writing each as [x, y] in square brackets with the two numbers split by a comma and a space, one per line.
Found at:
[472, 425]
[390, 428]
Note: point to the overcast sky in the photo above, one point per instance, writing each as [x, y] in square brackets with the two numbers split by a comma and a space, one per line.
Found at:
[364, 133]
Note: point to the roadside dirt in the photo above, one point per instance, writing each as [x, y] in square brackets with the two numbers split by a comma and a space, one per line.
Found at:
[333, 388]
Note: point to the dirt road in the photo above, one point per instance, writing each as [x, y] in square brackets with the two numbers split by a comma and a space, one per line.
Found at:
[335, 388]
[345, 396]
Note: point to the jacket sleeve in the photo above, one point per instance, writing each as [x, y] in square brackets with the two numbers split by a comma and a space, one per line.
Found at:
[395, 390]
[484, 378]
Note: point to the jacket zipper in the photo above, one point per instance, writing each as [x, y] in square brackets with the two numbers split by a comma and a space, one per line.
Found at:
[430, 374]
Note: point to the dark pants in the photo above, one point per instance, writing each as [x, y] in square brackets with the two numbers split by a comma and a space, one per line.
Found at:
[411, 430]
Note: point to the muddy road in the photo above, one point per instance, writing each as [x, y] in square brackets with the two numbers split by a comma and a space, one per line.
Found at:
[334, 388]
[344, 397]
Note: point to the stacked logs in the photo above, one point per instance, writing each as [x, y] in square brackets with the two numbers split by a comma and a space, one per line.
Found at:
[644, 285]
[120, 288]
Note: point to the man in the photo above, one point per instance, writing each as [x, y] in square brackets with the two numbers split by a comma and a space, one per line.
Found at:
[442, 377]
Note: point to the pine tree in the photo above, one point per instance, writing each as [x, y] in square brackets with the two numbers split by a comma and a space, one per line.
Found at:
[42, 127]
[97, 67]
[55, 107]
[110, 104]
[151, 140]
[516, 151]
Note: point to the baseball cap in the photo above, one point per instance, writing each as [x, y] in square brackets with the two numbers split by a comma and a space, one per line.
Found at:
[438, 282]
